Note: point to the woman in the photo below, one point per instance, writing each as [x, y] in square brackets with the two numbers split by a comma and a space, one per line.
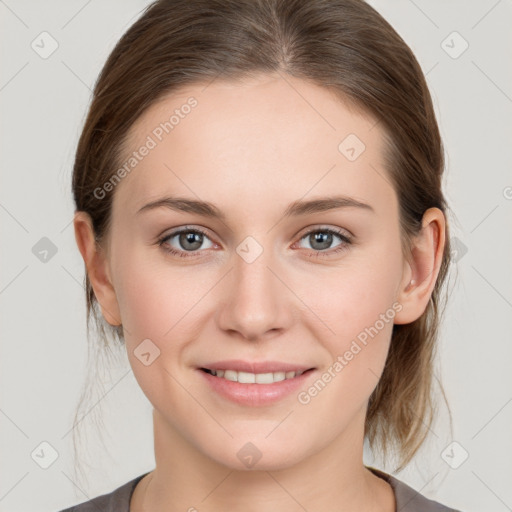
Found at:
[259, 209]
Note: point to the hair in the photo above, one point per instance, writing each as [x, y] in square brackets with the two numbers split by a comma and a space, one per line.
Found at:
[343, 45]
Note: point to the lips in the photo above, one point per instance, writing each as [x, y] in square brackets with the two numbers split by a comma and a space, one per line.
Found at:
[253, 384]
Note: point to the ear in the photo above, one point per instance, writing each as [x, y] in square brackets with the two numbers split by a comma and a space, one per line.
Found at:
[421, 271]
[97, 267]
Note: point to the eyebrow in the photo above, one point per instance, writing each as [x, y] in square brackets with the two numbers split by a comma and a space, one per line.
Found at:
[295, 209]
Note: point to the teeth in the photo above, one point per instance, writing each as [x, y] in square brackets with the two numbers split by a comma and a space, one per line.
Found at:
[231, 375]
[254, 378]
[246, 378]
[265, 378]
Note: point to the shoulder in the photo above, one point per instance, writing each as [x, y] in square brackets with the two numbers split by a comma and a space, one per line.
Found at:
[409, 500]
[116, 501]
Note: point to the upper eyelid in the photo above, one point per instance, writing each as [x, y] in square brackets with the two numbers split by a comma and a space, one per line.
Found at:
[337, 231]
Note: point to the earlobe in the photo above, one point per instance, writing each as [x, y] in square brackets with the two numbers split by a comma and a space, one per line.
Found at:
[96, 264]
[425, 262]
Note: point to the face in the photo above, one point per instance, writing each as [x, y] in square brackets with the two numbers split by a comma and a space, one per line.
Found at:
[265, 286]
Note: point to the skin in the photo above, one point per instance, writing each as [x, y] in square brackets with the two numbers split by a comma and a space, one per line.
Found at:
[252, 148]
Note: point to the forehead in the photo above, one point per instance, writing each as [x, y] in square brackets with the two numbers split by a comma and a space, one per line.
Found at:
[270, 138]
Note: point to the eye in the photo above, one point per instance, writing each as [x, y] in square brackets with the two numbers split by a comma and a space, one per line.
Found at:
[321, 239]
[188, 240]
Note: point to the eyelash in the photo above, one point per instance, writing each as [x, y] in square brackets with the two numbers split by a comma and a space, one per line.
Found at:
[342, 247]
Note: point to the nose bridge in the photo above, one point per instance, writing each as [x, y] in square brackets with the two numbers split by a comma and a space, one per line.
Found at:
[256, 300]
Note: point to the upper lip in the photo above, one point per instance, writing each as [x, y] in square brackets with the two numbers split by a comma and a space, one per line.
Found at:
[255, 367]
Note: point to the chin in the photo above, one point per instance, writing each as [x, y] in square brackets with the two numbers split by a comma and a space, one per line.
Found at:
[246, 453]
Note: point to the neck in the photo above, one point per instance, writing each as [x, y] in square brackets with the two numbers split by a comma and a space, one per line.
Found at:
[333, 479]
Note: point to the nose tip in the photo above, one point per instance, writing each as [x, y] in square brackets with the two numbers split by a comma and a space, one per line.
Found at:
[254, 304]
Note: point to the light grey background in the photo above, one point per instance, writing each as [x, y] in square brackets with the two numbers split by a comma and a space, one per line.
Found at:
[42, 367]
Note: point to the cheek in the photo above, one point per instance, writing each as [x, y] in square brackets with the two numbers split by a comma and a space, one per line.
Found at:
[355, 295]
[357, 305]
[157, 310]
[155, 297]
[156, 304]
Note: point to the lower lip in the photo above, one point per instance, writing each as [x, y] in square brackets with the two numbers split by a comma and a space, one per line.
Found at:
[255, 394]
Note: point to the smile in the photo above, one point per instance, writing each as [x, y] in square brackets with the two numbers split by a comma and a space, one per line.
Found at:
[253, 378]
[252, 384]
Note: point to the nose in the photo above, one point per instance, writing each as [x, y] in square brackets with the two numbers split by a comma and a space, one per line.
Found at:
[255, 302]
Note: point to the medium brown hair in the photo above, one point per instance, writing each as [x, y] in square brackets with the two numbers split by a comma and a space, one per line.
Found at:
[343, 45]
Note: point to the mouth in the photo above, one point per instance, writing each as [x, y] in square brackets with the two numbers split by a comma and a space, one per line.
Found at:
[254, 383]
[243, 377]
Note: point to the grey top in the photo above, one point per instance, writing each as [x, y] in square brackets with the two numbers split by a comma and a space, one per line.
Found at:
[407, 499]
